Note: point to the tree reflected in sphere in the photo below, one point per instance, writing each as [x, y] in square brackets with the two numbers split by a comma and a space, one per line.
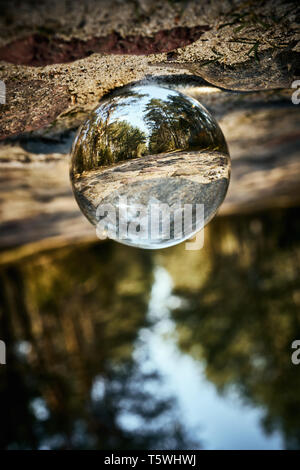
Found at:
[143, 163]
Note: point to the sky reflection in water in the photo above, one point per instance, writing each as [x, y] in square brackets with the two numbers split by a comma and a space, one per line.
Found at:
[168, 349]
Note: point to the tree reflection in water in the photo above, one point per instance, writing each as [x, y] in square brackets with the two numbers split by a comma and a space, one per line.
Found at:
[72, 318]
[241, 312]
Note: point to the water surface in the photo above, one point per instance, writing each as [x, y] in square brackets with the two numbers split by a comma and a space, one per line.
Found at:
[112, 347]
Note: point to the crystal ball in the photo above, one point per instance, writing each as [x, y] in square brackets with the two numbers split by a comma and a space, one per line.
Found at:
[150, 166]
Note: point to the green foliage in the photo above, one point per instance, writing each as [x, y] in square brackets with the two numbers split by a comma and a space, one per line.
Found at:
[175, 124]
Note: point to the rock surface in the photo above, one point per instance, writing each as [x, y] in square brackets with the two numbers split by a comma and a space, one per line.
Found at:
[93, 47]
[235, 45]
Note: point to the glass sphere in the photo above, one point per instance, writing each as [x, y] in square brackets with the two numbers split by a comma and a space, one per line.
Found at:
[149, 167]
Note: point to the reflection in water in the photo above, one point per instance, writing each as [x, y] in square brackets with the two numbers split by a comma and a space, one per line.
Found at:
[117, 353]
[240, 313]
[150, 145]
[71, 379]
[213, 419]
